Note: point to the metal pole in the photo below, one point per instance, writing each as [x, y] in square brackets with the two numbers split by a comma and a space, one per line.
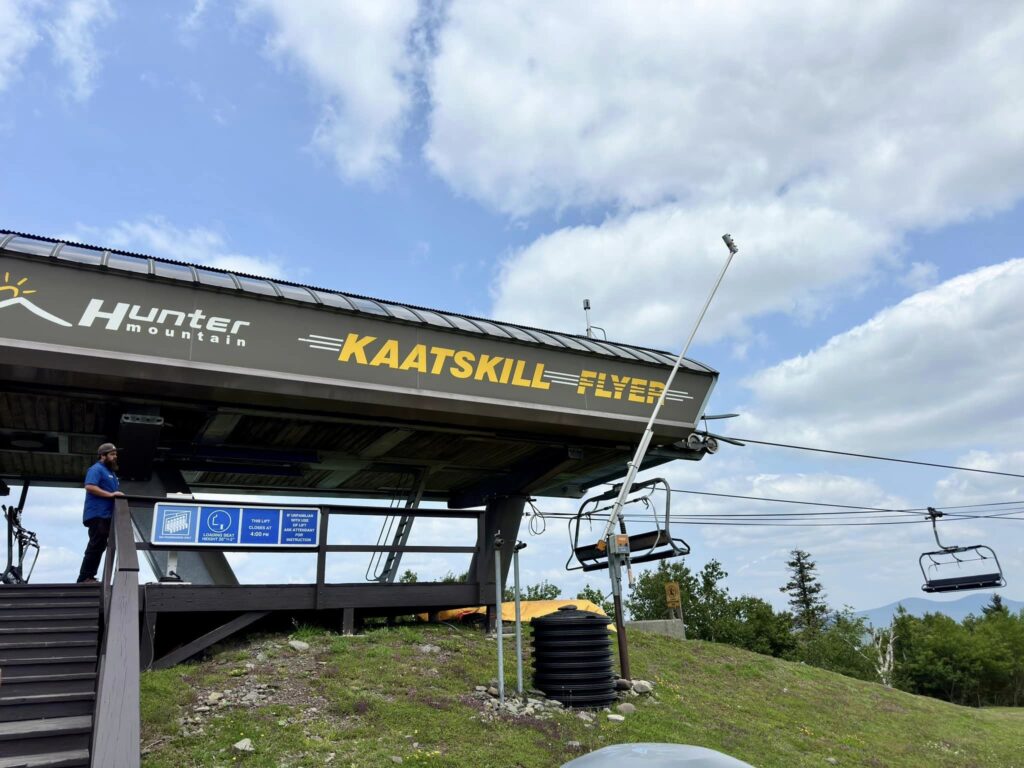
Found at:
[614, 569]
[497, 605]
[519, 625]
[634, 466]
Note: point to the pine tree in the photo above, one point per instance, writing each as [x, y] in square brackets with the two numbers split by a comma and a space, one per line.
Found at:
[995, 606]
[806, 595]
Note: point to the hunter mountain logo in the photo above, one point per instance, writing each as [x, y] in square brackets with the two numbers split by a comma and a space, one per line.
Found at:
[18, 293]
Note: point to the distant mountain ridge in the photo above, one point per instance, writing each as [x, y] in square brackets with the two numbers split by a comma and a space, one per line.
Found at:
[919, 606]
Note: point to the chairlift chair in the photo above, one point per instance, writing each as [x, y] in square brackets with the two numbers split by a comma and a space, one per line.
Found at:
[20, 539]
[658, 544]
[955, 569]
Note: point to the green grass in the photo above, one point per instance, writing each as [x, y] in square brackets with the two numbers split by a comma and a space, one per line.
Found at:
[386, 698]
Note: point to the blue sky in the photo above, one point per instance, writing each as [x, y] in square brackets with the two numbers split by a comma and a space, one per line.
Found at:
[511, 160]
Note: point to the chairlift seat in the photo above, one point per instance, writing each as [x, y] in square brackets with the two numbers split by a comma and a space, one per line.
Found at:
[976, 581]
[649, 546]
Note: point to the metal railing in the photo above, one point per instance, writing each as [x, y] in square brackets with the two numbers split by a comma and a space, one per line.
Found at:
[116, 726]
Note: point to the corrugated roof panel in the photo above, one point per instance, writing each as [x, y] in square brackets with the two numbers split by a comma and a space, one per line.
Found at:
[172, 271]
[127, 263]
[259, 287]
[403, 313]
[216, 279]
[336, 300]
[434, 318]
[296, 293]
[78, 255]
[369, 306]
[33, 247]
[492, 328]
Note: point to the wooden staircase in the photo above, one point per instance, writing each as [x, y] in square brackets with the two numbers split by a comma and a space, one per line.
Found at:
[49, 637]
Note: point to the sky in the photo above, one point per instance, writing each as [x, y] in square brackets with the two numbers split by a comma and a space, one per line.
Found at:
[508, 160]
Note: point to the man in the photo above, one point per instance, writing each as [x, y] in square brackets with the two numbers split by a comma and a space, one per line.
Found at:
[101, 488]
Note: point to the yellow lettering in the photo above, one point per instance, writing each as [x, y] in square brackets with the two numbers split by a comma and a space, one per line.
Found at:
[388, 354]
[441, 355]
[463, 368]
[586, 382]
[416, 359]
[517, 379]
[619, 385]
[599, 390]
[486, 366]
[538, 378]
[355, 347]
[654, 390]
[637, 391]
[507, 368]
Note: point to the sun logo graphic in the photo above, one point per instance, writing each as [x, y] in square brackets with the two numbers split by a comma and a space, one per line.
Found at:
[17, 298]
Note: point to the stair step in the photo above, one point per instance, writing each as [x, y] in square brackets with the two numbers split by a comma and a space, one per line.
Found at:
[11, 649]
[61, 617]
[45, 705]
[48, 604]
[70, 759]
[26, 632]
[48, 665]
[55, 734]
[82, 682]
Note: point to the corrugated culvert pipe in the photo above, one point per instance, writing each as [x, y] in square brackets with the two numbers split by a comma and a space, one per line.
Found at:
[572, 657]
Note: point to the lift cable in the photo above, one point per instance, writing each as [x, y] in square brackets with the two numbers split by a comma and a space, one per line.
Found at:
[877, 458]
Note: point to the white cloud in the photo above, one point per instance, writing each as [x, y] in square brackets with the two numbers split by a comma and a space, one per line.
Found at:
[907, 114]
[920, 275]
[648, 274]
[19, 37]
[960, 488]
[74, 46]
[155, 236]
[358, 57]
[944, 367]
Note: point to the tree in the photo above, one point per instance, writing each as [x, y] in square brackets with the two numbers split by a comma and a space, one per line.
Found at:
[757, 627]
[647, 598]
[806, 594]
[543, 591]
[593, 595]
[409, 577]
[455, 578]
[995, 605]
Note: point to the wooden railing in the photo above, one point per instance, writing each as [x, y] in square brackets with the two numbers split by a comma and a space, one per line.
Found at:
[115, 734]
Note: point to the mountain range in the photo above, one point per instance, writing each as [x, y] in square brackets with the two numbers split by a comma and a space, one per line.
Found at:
[919, 606]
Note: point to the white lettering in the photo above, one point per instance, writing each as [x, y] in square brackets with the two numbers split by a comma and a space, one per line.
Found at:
[94, 312]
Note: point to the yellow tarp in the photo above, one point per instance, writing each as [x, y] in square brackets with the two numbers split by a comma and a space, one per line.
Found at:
[528, 609]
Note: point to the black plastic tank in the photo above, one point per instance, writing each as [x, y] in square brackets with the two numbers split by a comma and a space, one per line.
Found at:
[572, 657]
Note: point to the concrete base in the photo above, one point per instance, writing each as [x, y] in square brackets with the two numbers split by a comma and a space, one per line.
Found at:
[670, 627]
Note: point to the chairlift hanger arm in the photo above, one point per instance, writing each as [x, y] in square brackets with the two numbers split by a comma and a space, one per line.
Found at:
[634, 466]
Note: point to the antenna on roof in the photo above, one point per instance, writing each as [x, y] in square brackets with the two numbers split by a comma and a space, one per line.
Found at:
[592, 328]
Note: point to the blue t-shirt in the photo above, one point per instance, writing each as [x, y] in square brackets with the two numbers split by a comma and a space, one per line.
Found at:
[95, 506]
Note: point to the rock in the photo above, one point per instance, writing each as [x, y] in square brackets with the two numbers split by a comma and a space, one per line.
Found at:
[615, 718]
[245, 745]
[428, 648]
[202, 708]
[573, 745]
[623, 685]
[261, 656]
[642, 686]
[396, 760]
[831, 761]
[625, 709]
[493, 691]
[480, 688]
[298, 645]
[585, 717]
[214, 697]
[528, 711]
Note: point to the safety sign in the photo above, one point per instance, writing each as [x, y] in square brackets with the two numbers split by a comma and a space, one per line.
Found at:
[212, 525]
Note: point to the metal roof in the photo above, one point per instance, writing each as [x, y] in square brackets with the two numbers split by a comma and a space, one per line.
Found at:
[219, 279]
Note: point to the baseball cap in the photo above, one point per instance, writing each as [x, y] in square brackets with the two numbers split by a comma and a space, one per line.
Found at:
[106, 448]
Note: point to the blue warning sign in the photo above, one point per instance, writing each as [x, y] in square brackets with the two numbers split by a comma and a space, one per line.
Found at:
[212, 525]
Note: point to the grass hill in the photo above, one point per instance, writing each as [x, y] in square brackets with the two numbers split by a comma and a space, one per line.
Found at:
[405, 696]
